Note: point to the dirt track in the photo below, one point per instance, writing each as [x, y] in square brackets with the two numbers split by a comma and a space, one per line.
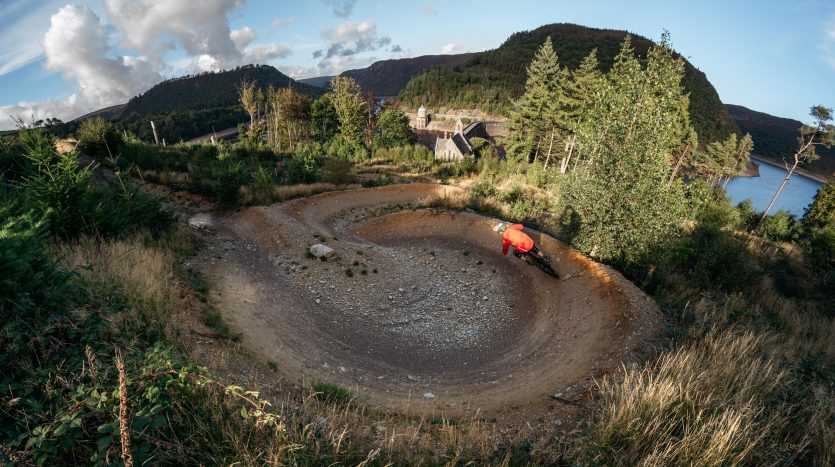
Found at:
[432, 316]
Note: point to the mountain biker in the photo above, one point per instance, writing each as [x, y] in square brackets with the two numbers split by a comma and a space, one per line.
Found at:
[513, 235]
[523, 246]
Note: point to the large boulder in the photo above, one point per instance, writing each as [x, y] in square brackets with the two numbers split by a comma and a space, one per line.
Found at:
[322, 252]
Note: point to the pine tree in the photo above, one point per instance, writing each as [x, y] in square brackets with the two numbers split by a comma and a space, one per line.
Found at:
[539, 116]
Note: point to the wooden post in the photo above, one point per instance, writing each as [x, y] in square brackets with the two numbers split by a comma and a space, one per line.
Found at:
[163, 142]
[154, 129]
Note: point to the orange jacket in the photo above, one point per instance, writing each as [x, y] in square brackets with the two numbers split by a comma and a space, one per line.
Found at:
[513, 235]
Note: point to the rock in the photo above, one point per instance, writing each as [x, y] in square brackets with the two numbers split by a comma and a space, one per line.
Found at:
[322, 252]
[428, 395]
[201, 221]
[558, 422]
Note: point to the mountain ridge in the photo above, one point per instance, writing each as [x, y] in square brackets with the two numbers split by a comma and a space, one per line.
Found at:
[490, 80]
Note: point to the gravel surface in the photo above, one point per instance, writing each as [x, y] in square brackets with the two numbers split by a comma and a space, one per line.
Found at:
[419, 306]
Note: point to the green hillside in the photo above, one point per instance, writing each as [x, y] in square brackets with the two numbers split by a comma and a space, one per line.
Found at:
[193, 105]
[491, 80]
[208, 90]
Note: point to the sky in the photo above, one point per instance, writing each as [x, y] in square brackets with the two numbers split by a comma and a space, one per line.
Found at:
[60, 59]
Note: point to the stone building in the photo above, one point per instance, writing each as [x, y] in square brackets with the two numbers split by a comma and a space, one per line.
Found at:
[422, 119]
[454, 148]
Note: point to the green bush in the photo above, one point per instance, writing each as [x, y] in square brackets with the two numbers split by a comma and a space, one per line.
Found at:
[781, 227]
[98, 138]
[302, 167]
[714, 259]
[337, 171]
[820, 247]
[228, 179]
[332, 394]
[29, 279]
[720, 213]
[59, 188]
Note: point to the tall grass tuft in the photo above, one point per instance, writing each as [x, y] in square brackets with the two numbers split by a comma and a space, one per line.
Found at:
[130, 273]
[720, 399]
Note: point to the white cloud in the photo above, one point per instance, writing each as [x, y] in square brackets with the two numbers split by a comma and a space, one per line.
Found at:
[341, 8]
[76, 45]
[828, 45]
[279, 23]
[21, 20]
[266, 53]
[242, 37]
[451, 48]
[154, 27]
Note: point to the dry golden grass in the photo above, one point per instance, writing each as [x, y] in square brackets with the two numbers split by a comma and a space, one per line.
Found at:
[701, 404]
[280, 193]
[140, 275]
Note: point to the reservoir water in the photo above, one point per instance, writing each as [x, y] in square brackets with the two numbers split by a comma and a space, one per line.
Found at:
[798, 194]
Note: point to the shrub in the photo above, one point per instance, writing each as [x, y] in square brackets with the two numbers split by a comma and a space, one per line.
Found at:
[59, 188]
[720, 213]
[28, 277]
[98, 138]
[714, 259]
[337, 171]
[332, 394]
[302, 168]
[781, 227]
[228, 178]
[820, 247]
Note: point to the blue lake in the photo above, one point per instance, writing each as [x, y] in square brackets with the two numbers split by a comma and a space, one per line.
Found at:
[798, 194]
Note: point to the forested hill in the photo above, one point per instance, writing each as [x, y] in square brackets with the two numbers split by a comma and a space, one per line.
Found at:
[491, 80]
[208, 90]
[389, 77]
[776, 137]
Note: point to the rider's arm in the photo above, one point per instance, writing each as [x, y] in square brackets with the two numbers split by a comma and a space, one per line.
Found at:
[516, 227]
[505, 244]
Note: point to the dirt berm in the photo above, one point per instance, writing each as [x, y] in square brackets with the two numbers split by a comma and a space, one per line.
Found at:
[420, 308]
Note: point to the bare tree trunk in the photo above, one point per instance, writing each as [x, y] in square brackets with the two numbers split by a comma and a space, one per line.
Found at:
[567, 159]
[789, 173]
[154, 129]
[679, 162]
[550, 146]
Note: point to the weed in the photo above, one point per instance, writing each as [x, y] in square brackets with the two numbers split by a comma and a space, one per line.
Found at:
[364, 272]
[332, 393]
[213, 319]
[349, 272]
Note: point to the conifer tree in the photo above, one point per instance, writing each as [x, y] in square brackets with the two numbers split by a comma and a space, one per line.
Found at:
[539, 115]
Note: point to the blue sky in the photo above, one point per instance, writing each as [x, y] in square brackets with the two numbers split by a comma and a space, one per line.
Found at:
[773, 56]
